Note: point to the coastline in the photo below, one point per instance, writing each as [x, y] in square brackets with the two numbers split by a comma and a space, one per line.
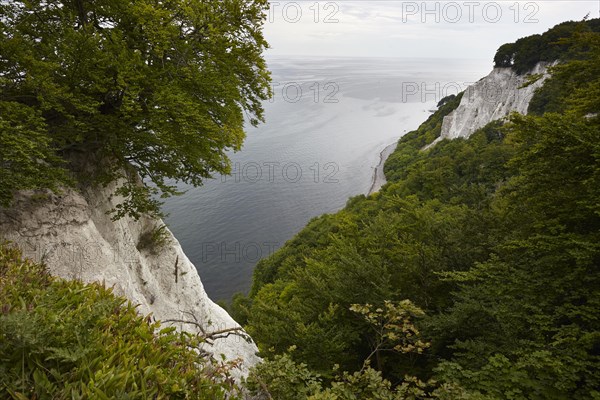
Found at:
[378, 176]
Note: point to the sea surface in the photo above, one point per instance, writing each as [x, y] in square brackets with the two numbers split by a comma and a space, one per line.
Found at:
[325, 128]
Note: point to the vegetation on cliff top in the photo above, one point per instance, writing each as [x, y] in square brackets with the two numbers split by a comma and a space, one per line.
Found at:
[553, 45]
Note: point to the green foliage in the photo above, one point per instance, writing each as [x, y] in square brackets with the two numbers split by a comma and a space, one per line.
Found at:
[574, 85]
[239, 308]
[155, 89]
[409, 146]
[535, 301]
[282, 379]
[67, 340]
[27, 160]
[494, 237]
[365, 384]
[393, 328]
[526, 52]
[446, 100]
[154, 240]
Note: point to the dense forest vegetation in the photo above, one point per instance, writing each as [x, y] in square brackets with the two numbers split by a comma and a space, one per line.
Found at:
[473, 274]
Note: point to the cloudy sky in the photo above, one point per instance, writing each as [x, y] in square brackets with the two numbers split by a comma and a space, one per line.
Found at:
[397, 28]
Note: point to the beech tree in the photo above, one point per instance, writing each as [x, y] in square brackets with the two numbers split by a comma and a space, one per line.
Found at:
[156, 89]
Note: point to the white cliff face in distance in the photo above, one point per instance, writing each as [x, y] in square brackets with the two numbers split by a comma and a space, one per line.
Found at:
[76, 238]
[491, 98]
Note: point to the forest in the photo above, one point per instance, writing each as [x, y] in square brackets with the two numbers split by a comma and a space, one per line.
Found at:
[474, 273]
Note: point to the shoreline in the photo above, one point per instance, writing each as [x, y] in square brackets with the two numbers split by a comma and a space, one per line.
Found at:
[378, 176]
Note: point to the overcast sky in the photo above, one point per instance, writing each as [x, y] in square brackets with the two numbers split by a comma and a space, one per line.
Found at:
[394, 28]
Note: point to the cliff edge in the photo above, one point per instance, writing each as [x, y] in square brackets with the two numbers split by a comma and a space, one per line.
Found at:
[492, 98]
[73, 234]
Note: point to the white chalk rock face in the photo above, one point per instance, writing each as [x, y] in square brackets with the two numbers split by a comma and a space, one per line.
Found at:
[73, 235]
[491, 98]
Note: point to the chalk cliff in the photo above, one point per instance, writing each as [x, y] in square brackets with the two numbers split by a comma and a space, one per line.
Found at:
[73, 235]
[492, 98]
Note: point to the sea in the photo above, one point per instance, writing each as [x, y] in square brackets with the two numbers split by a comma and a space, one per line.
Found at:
[326, 125]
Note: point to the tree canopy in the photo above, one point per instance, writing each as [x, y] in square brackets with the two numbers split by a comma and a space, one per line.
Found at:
[148, 88]
[526, 52]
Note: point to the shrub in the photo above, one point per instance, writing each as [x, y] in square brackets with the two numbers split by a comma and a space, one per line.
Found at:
[65, 339]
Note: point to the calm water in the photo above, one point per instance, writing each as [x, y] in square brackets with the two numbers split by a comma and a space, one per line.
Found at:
[325, 128]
